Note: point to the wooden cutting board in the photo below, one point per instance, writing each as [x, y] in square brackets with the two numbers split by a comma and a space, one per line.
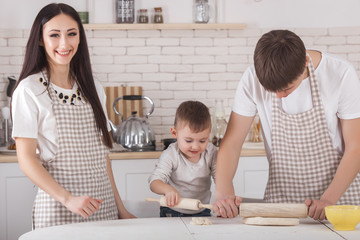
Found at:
[123, 107]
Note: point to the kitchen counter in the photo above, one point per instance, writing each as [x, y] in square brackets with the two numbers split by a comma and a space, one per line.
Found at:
[180, 228]
[247, 151]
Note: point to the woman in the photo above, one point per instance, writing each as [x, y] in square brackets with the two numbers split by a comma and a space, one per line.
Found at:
[61, 146]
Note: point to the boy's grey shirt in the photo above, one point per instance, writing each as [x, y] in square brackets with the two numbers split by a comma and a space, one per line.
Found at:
[191, 180]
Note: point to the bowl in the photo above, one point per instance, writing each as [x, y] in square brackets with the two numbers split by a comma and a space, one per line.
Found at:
[343, 217]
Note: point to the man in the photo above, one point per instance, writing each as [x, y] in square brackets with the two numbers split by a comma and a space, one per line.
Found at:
[309, 106]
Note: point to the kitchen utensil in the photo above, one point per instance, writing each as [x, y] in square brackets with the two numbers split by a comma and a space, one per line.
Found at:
[134, 133]
[271, 210]
[124, 107]
[343, 217]
[184, 203]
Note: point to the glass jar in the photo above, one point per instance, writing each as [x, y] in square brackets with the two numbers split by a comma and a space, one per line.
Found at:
[143, 16]
[219, 123]
[201, 11]
[125, 11]
[158, 17]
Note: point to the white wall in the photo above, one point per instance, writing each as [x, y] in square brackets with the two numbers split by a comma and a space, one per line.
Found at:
[255, 13]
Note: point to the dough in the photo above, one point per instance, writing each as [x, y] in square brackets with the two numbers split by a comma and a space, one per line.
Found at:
[263, 221]
[200, 221]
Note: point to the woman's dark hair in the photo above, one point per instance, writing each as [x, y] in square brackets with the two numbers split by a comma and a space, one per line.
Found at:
[193, 113]
[279, 58]
[80, 67]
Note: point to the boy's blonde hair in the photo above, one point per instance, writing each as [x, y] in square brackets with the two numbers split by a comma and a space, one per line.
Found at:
[193, 113]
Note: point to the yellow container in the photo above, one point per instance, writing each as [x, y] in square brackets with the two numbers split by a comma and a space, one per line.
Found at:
[343, 217]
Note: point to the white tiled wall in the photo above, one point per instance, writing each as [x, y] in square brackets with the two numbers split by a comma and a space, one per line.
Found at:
[176, 65]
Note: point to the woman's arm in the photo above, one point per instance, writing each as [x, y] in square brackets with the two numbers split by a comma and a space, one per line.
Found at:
[346, 172]
[122, 212]
[29, 164]
[226, 204]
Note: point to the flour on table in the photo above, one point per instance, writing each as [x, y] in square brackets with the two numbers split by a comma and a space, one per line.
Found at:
[200, 221]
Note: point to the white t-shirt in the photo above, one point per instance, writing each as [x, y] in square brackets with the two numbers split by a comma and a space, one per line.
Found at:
[339, 88]
[191, 180]
[33, 116]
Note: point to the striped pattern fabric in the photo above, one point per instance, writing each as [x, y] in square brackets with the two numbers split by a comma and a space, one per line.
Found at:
[303, 160]
[79, 166]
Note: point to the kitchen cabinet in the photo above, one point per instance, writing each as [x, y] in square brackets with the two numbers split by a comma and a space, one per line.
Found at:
[17, 192]
[17, 195]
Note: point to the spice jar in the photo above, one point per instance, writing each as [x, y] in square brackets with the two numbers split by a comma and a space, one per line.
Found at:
[143, 16]
[158, 17]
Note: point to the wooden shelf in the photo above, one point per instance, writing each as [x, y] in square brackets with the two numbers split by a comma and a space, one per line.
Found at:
[175, 26]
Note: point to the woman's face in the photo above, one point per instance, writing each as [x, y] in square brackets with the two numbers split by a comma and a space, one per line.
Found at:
[60, 39]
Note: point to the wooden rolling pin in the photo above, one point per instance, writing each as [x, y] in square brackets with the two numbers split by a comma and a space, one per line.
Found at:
[184, 203]
[273, 210]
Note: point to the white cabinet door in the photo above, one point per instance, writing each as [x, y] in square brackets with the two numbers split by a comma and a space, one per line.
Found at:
[17, 195]
[251, 177]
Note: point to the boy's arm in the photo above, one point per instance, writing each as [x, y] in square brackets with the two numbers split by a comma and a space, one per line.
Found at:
[161, 175]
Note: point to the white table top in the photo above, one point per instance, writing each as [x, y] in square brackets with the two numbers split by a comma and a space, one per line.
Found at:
[180, 228]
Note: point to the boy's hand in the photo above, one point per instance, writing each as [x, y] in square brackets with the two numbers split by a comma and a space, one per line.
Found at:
[172, 198]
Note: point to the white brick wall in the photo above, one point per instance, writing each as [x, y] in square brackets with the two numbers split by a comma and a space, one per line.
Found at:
[176, 65]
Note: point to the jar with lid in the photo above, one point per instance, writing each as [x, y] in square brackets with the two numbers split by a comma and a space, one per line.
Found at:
[201, 11]
[143, 16]
[125, 11]
[219, 123]
[158, 17]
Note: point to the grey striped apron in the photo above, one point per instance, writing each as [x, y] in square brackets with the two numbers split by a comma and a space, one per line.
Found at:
[79, 166]
[303, 160]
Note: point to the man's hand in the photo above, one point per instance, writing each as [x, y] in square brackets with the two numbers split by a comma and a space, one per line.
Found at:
[227, 207]
[316, 208]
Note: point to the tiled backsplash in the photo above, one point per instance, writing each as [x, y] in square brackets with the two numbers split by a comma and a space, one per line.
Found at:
[176, 65]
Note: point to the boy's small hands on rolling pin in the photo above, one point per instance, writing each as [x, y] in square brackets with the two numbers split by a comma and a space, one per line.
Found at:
[172, 198]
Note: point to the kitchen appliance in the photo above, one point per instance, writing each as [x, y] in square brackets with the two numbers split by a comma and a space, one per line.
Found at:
[124, 107]
[134, 133]
[6, 125]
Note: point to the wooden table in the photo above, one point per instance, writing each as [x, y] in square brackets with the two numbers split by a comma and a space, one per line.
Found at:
[180, 228]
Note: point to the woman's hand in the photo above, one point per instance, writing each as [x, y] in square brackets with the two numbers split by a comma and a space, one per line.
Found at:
[83, 205]
[172, 198]
[316, 208]
[227, 206]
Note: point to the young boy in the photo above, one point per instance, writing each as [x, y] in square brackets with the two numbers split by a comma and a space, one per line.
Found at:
[186, 166]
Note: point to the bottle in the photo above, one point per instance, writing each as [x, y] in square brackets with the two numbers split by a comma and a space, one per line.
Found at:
[158, 17]
[143, 16]
[125, 11]
[219, 123]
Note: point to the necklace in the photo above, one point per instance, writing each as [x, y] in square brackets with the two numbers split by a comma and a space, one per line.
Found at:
[65, 99]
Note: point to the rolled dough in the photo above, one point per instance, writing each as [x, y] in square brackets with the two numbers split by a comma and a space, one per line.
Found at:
[262, 221]
[200, 221]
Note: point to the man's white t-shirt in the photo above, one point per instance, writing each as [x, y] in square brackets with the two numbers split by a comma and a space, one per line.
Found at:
[339, 88]
[33, 116]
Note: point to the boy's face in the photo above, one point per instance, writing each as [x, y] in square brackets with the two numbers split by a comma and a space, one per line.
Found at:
[191, 144]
